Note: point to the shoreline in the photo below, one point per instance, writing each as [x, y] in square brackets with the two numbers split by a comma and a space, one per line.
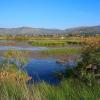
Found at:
[40, 55]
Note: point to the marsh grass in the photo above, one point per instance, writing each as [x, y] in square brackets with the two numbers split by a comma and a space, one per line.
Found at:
[48, 43]
[68, 90]
[69, 51]
[16, 88]
[53, 43]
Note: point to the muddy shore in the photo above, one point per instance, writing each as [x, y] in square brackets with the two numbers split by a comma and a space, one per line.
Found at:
[39, 55]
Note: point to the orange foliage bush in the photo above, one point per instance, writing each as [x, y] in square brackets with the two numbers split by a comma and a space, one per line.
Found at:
[13, 76]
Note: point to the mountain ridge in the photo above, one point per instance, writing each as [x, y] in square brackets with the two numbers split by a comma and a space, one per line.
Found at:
[30, 30]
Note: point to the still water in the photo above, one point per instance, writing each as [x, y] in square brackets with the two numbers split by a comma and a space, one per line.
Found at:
[44, 69]
[39, 69]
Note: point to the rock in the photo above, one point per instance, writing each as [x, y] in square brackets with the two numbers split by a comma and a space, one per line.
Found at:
[60, 61]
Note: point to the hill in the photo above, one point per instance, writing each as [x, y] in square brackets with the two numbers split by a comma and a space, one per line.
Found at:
[86, 30]
[42, 31]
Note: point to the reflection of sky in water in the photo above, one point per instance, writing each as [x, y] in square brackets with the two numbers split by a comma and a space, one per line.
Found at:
[22, 48]
[43, 69]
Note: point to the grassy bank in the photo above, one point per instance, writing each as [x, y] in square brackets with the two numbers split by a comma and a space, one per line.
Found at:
[69, 51]
[48, 43]
[51, 43]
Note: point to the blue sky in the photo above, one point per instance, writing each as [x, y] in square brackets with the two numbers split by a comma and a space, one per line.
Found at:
[49, 13]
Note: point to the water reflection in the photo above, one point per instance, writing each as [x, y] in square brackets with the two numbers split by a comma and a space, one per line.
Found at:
[43, 69]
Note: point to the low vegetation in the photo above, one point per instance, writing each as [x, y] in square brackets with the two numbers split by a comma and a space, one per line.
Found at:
[48, 43]
[69, 89]
[67, 51]
[55, 43]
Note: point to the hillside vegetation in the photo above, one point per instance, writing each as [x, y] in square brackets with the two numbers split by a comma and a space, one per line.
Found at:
[41, 31]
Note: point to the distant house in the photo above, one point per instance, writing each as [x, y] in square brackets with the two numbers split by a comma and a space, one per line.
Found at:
[62, 37]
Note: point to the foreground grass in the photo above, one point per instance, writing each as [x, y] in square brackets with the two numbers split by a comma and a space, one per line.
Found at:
[13, 86]
[68, 90]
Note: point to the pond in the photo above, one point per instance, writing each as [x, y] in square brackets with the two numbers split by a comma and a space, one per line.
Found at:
[40, 69]
[44, 69]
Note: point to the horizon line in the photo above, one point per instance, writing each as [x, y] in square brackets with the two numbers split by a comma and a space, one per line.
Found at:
[50, 28]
